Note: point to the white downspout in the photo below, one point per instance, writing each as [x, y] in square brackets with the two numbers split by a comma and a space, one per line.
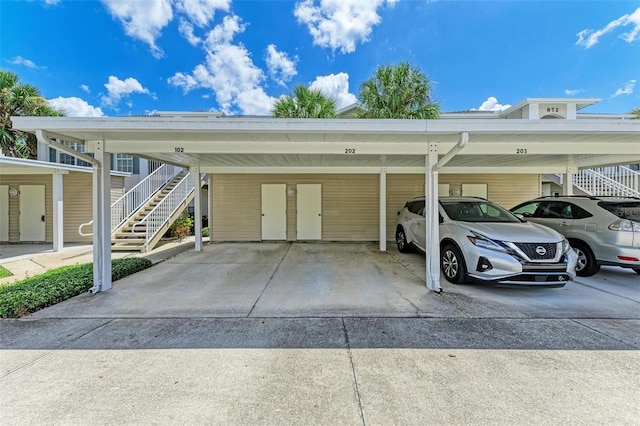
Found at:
[432, 221]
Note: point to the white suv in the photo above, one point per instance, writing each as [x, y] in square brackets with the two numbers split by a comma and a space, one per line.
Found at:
[481, 241]
[603, 230]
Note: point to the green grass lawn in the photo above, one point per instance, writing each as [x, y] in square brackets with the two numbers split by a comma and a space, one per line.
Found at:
[4, 272]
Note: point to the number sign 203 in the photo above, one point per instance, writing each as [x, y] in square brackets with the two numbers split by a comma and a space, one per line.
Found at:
[521, 151]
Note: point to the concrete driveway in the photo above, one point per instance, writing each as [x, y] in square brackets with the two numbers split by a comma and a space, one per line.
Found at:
[336, 280]
[277, 333]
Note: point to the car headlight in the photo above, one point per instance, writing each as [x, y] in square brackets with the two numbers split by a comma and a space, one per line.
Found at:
[487, 243]
[564, 246]
[625, 225]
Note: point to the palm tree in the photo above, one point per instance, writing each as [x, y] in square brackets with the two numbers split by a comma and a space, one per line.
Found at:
[397, 91]
[636, 112]
[305, 103]
[18, 99]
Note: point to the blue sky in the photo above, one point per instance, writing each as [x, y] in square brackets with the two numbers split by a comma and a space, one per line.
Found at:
[124, 57]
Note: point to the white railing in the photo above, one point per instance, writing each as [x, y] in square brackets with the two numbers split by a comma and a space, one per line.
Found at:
[595, 183]
[160, 215]
[621, 174]
[137, 196]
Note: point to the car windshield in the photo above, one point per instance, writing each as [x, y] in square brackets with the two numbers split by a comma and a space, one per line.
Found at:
[629, 210]
[477, 211]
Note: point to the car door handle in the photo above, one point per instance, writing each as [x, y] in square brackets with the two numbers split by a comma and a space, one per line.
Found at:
[564, 223]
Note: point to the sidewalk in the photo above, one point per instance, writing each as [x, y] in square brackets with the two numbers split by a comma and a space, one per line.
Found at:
[27, 260]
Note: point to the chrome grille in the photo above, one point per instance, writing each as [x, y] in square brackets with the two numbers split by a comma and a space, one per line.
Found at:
[531, 250]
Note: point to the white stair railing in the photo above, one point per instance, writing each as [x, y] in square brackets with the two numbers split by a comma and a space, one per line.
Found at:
[161, 214]
[595, 183]
[136, 197]
[621, 174]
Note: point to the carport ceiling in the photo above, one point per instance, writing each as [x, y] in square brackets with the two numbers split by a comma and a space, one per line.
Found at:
[245, 145]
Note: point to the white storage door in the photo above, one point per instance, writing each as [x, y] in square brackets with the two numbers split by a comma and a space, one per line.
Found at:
[32, 213]
[4, 212]
[309, 212]
[274, 212]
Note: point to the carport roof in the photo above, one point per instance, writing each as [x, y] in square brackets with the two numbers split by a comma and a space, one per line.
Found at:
[261, 145]
[22, 166]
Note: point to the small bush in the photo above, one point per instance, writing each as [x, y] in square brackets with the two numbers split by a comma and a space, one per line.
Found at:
[182, 226]
[206, 232]
[38, 292]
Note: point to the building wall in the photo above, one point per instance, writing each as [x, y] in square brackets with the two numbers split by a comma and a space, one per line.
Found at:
[77, 200]
[350, 203]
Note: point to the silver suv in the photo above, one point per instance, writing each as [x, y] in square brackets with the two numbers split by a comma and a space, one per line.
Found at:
[483, 242]
[603, 230]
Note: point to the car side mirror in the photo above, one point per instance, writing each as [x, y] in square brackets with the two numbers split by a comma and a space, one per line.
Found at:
[521, 217]
[398, 212]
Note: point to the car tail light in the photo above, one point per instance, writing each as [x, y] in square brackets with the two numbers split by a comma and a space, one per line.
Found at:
[625, 225]
[628, 259]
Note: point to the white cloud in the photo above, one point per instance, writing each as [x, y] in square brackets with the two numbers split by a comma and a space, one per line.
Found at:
[340, 24]
[143, 20]
[491, 104]
[626, 90]
[52, 2]
[201, 12]
[85, 88]
[573, 92]
[186, 29]
[19, 60]
[281, 67]
[228, 72]
[588, 37]
[336, 86]
[76, 107]
[117, 89]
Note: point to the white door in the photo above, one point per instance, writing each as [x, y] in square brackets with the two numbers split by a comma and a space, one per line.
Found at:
[32, 213]
[4, 212]
[274, 212]
[309, 212]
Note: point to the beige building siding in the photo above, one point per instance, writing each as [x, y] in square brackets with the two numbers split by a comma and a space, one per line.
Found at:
[506, 190]
[349, 202]
[77, 200]
[78, 203]
[349, 206]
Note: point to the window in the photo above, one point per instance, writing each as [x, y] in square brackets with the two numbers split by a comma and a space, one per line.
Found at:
[415, 207]
[527, 210]
[124, 163]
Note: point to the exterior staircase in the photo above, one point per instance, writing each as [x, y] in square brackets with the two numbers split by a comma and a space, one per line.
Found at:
[142, 216]
[617, 181]
[132, 234]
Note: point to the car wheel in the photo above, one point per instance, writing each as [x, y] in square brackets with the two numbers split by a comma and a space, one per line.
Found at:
[587, 265]
[452, 264]
[401, 240]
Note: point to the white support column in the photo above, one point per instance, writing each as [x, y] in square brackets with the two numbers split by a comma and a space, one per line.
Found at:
[431, 220]
[567, 181]
[383, 209]
[101, 219]
[58, 211]
[197, 207]
[210, 206]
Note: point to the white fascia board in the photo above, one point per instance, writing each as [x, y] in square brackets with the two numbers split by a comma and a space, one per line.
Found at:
[61, 125]
[312, 170]
[197, 147]
[518, 126]
[512, 170]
